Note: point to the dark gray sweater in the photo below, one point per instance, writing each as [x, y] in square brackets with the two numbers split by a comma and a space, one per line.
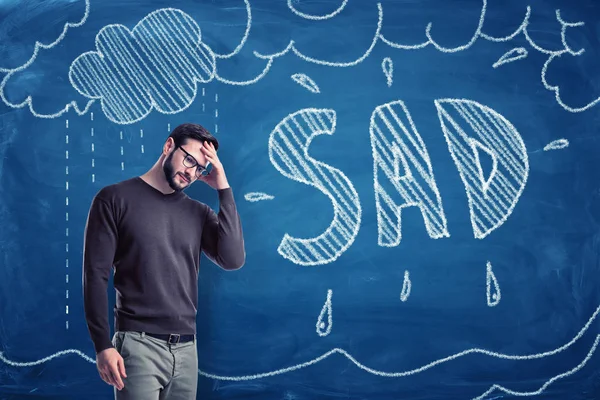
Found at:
[153, 241]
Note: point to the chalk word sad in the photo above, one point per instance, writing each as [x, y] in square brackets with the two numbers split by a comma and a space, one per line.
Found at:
[403, 175]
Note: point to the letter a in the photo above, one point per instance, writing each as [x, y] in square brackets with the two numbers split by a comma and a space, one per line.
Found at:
[401, 156]
[472, 131]
[288, 152]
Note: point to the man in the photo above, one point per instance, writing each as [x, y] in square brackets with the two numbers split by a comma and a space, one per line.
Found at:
[152, 234]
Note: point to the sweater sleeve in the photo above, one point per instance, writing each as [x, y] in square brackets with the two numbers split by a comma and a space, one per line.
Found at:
[100, 243]
[222, 235]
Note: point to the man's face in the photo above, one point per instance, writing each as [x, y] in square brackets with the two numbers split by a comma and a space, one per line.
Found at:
[176, 173]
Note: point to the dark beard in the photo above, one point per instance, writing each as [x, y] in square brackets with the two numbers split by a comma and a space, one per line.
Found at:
[168, 170]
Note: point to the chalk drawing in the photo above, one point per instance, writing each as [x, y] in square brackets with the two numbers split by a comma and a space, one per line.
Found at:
[388, 374]
[236, 51]
[492, 287]
[491, 200]
[547, 383]
[557, 145]
[406, 287]
[38, 45]
[563, 34]
[477, 148]
[257, 196]
[317, 17]
[306, 82]
[122, 159]
[553, 54]
[239, 47]
[163, 52]
[292, 47]
[515, 54]
[216, 113]
[400, 157]
[431, 41]
[387, 65]
[556, 54]
[177, 94]
[46, 359]
[522, 29]
[93, 158]
[288, 152]
[246, 82]
[67, 222]
[325, 320]
[156, 65]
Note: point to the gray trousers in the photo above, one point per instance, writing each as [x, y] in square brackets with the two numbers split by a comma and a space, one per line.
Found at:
[156, 370]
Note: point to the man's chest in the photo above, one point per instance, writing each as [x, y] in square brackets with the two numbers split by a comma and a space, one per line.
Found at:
[177, 228]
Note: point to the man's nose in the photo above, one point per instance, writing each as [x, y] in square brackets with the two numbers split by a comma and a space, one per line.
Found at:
[191, 171]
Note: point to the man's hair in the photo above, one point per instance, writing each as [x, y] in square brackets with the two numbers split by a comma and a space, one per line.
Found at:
[186, 131]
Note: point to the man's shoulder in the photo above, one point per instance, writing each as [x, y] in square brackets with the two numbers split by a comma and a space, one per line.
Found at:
[195, 203]
[116, 190]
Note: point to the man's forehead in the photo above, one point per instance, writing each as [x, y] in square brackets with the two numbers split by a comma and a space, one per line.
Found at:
[193, 147]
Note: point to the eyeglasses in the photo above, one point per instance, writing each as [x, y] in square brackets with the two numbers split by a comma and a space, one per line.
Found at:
[190, 162]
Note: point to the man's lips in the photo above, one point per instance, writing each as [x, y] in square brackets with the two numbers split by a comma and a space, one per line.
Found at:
[184, 178]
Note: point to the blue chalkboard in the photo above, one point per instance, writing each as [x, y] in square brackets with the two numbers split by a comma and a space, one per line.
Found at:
[418, 184]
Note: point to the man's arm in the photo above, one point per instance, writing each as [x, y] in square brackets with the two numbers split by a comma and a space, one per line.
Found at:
[100, 243]
[222, 235]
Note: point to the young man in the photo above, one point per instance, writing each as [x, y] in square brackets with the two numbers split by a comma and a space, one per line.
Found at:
[152, 234]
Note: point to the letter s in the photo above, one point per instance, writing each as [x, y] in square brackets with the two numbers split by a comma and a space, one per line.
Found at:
[288, 152]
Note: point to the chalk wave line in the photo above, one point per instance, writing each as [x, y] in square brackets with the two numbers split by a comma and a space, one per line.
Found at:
[377, 372]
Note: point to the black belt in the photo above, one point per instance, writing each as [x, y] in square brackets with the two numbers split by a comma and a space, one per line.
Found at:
[172, 338]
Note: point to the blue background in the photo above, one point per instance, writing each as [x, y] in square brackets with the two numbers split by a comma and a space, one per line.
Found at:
[256, 326]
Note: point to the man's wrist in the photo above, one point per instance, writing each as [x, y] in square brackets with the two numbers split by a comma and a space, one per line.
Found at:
[222, 185]
[226, 196]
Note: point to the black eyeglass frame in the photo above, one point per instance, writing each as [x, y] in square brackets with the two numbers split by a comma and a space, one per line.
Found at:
[199, 168]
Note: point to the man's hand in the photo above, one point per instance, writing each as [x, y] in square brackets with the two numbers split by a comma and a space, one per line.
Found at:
[216, 179]
[111, 367]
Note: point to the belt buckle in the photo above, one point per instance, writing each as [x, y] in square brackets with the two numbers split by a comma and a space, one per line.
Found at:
[174, 335]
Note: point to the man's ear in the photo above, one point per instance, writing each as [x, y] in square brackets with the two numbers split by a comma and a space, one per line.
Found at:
[168, 146]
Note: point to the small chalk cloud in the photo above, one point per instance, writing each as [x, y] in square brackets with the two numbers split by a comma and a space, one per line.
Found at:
[21, 47]
[156, 65]
[564, 58]
[414, 25]
[19, 43]
[254, 197]
[303, 26]
[571, 75]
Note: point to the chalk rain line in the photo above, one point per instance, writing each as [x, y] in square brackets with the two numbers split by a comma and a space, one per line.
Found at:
[67, 224]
